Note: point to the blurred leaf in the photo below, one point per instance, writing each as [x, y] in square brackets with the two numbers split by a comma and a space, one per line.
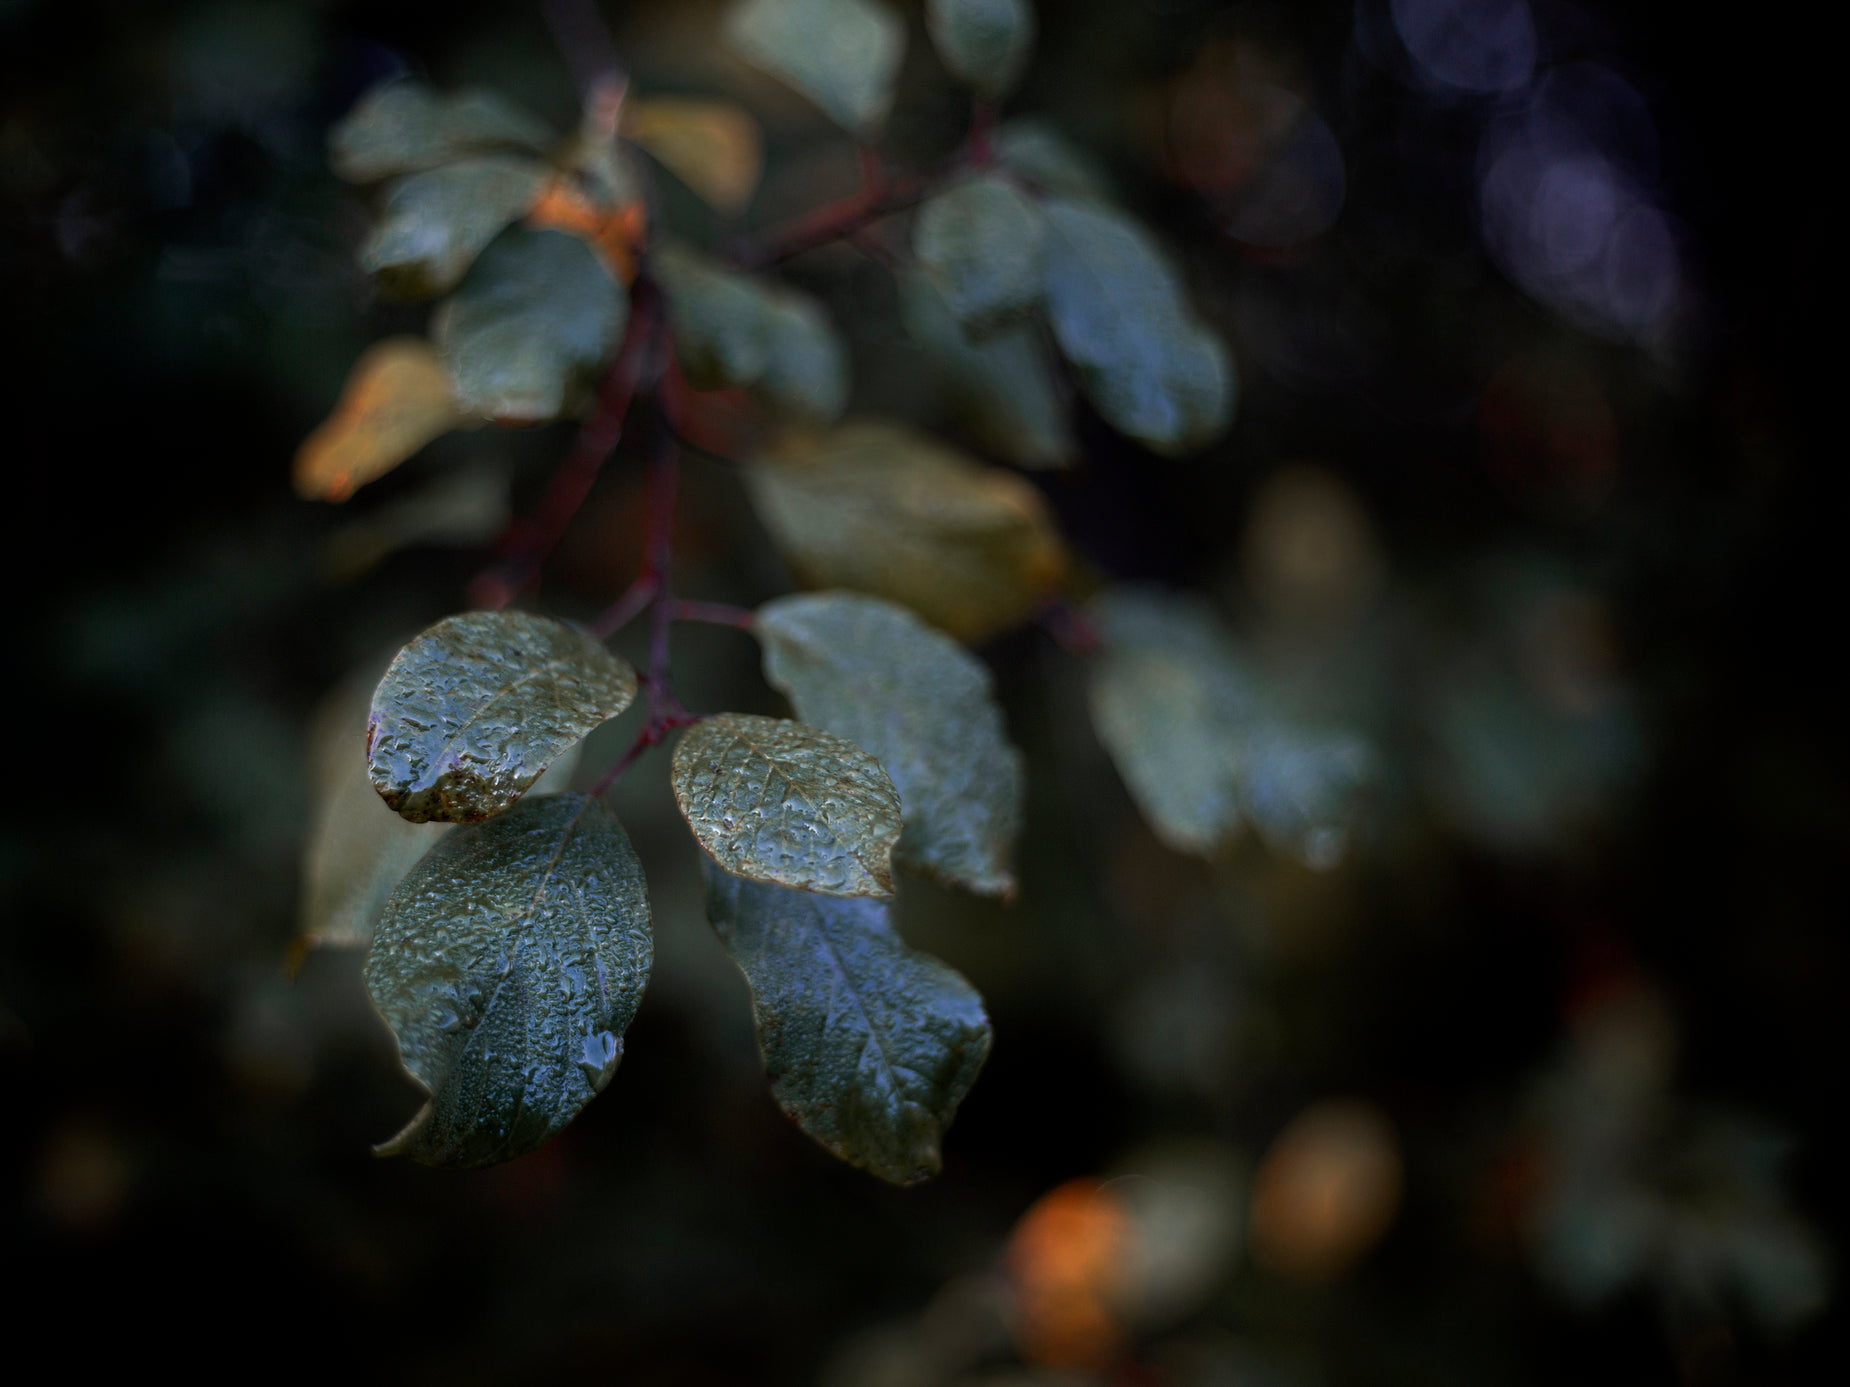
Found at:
[1001, 389]
[880, 509]
[357, 850]
[985, 245]
[924, 707]
[1117, 311]
[435, 223]
[537, 314]
[869, 1046]
[777, 801]
[1300, 786]
[983, 42]
[473, 710]
[806, 374]
[397, 398]
[733, 329]
[1171, 702]
[844, 55]
[1036, 151]
[508, 964]
[614, 229]
[1326, 1192]
[721, 329]
[714, 147]
[405, 127]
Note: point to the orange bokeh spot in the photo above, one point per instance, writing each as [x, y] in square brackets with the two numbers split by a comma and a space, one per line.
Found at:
[1064, 1263]
[615, 233]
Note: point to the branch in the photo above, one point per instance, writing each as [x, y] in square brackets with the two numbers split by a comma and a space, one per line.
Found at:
[882, 197]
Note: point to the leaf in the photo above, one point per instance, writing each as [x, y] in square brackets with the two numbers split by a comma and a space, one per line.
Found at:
[1035, 151]
[435, 223]
[473, 710]
[984, 43]
[1201, 747]
[880, 509]
[537, 314]
[776, 801]
[985, 244]
[921, 705]
[806, 373]
[508, 964]
[397, 398]
[733, 329]
[844, 55]
[869, 1046]
[357, 850]
[1170, 701]
[405, 127]
[614, 229]
[721, 329]
[1000, 389]
[1117, 311]
[714, 147]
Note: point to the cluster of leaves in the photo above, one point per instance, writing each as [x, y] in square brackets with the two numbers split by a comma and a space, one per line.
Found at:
[509, 956]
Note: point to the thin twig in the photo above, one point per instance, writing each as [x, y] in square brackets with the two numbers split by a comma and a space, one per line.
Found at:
[716, 613]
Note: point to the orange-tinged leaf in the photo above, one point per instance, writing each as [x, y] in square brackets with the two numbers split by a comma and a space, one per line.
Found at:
[397, 399]
[712, 146]
[615, 233]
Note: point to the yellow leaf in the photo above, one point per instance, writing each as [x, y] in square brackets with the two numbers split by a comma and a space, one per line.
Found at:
[712, 146]
[397, 399]
[881, 509]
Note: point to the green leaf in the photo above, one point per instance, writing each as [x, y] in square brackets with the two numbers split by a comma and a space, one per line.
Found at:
[985, 244]
[983, 42]
[869, 1046]
[1171, 701]
[881, 509]
[1001, 389]
[733, 329]
[844, 55]
[535, 317]
[434, 224]
[508, 964]
[1035, 151]
[921, 705]
[405, 127]
[1155, 373]
[776, 801]
[806, 373]
[1201, 747]
[473, 710]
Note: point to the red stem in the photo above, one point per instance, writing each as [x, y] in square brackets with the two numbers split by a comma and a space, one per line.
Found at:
[835, 221]
[718, 613]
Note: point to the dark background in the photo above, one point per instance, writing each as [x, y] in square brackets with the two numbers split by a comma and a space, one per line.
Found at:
[186, 1167]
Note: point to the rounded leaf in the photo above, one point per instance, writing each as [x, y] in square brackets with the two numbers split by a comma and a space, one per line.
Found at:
[714, 147]
[985, 244]
[434, 224]
[404, 127]
[508, 964]
[924, 707]
[471, 712]
[983, 42]
[843, 55]
[869, 1046]
[777, 801]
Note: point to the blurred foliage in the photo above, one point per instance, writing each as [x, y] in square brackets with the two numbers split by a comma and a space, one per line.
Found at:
[1523, 493]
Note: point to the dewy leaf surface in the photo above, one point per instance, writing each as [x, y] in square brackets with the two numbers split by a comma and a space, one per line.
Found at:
[880, 509]
[1117, 311]
[777, 801]
[473, 710]
[357, 850]
[842, 54]
[921, 705]
[432, 225]
[397, 398]
[1001, 389]
[869, 1046]
[714, 147]
[983, 42]
[536, 315]
[405, 127]
[508, 964]
[985, 244]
